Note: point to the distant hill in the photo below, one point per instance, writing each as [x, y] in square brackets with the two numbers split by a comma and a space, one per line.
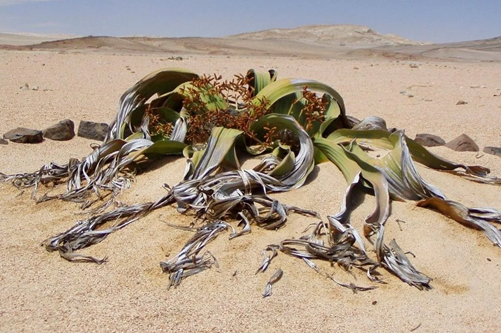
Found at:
[336, 35]
[314, 41]
[476, 50]
[18, 39]
[349, 35]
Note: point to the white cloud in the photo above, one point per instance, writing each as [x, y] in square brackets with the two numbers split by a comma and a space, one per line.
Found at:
[17, 2]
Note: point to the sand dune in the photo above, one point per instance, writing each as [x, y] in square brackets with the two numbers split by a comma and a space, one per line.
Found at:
[41, 292]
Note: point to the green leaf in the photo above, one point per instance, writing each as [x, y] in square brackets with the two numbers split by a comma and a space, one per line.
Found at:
[220, 152]
[259, 80]
[212, 100]
[162, 148]
[352, 165]
[286, 165]
[158, 82]
[287, 125]
[337, 155]
[281, 88]
[386, 140]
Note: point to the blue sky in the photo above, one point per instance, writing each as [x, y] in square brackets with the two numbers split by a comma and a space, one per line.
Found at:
[420, 20]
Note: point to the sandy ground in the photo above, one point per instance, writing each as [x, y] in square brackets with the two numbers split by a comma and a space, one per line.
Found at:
[41, 292]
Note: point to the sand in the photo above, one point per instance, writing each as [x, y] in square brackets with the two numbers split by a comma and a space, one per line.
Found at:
[41, 292]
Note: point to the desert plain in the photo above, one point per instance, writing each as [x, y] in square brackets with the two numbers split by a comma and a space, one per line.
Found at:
[414, 87]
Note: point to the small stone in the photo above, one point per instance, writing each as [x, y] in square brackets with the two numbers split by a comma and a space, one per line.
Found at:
[92, 130]
[493, 151]
[405, 93]
[181, 58]
[461, 102]
[24, 135]
[462, 143]
[3, 142]
[62, 131]
[429, 140]
[25, 87]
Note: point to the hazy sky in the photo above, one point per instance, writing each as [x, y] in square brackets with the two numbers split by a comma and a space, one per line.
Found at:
[420, 20]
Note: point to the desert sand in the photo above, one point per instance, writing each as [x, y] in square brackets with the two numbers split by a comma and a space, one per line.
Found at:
[41, 292]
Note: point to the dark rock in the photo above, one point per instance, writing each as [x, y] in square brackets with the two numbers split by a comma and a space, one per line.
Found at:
[460, 102]
[405, 93]
[493, 151]
[429, 140]
[24, 135]
[62, 131]
[92, 130]
[3, 142]
[462, 143]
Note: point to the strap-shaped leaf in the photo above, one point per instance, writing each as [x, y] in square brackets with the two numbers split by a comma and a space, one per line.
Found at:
[352, 167]
[259, 80]
[304, 161]
[161, 148]
[158, 82]
[220, 151]
[477, 218]
[274, 91]
[386, 140]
